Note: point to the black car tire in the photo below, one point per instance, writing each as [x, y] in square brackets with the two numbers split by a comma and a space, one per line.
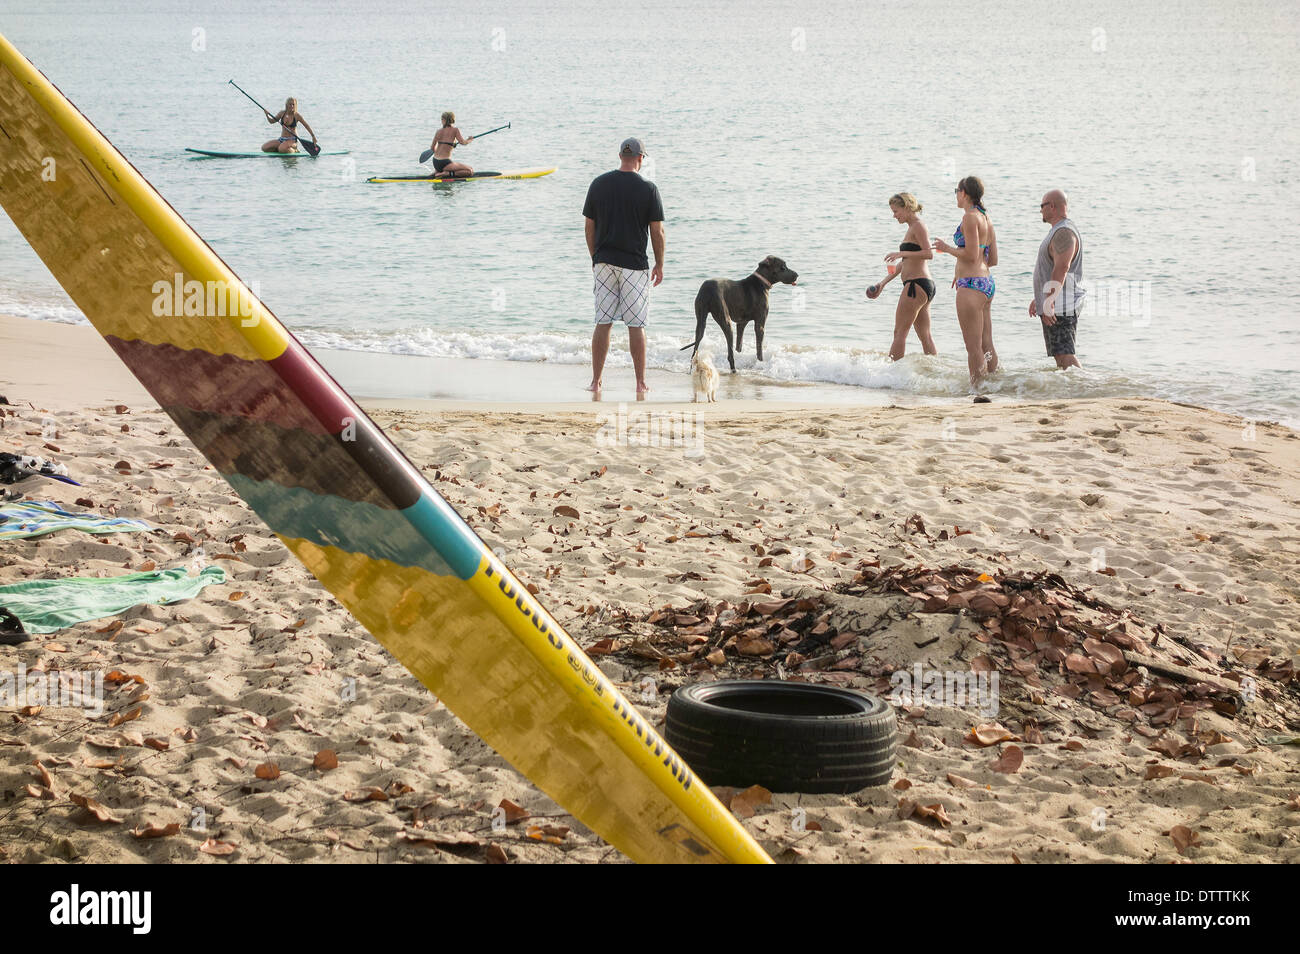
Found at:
[785, 736]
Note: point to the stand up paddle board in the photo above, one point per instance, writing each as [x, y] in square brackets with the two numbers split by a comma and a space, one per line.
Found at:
[336, 491]
[211, 154]
[476, 177]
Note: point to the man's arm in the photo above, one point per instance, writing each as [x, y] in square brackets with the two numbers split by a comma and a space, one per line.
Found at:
[591, 237]
[657, 243]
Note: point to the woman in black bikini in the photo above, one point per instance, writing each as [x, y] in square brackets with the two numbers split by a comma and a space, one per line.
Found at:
[444, 141]
[288, 118]
[913, 309]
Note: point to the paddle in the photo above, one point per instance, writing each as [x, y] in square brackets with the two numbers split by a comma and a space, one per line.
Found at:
[312, 149]
[424, 156]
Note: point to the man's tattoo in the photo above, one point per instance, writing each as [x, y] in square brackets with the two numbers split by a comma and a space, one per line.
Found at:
[1063, 241]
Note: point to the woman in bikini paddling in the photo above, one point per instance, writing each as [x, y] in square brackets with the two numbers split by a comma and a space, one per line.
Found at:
[288, 118]
[444, 141]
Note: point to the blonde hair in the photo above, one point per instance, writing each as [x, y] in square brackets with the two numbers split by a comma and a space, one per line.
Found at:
[905, 200]
[448, 118]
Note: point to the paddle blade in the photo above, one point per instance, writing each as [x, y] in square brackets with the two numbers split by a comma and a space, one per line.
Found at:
[313, 150]
[424, 156]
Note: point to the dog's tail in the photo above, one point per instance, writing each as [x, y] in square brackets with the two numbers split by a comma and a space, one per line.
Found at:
[701, 318]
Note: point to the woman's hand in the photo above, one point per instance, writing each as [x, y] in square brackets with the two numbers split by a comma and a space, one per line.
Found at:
[873, 292]
[941, 246]
[893, 257]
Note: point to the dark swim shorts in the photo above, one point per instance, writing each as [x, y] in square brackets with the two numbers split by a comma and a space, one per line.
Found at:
[1060, 336]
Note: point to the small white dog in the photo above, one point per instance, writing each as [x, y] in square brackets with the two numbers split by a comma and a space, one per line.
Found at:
[704, 377]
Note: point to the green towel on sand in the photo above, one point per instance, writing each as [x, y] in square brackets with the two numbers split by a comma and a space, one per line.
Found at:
[48, 605]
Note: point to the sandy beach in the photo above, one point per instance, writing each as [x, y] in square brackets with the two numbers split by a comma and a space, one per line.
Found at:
[272, 727]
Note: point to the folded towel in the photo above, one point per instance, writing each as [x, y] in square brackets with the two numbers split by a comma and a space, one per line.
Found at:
[44, 606]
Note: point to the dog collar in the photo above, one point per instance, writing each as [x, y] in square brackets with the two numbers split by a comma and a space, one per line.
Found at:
[766, 283]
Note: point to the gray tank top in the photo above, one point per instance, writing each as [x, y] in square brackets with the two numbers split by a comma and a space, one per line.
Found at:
[1072, 294]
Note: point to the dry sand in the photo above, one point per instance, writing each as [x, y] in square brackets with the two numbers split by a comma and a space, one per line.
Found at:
[1196, 514]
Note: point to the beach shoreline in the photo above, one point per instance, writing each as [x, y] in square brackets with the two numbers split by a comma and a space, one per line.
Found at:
[1183, 517]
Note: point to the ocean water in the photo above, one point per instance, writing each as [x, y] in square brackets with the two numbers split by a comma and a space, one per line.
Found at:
[772, 128]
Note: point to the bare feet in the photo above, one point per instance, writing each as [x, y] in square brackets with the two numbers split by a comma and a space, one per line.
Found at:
[642, 387]
[594, 386]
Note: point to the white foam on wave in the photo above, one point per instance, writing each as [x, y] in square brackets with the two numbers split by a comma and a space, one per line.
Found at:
[935, 377]
[21, 307]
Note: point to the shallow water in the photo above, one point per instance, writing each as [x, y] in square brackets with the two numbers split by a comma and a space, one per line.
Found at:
[770, 131]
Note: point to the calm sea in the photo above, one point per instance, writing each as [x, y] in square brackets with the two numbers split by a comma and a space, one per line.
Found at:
[778, 128]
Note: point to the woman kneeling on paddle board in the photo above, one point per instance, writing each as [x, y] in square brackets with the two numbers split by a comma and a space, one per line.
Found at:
[288, 118]
[444, 141]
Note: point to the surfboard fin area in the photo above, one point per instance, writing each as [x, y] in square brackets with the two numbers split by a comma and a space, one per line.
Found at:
[336, 491]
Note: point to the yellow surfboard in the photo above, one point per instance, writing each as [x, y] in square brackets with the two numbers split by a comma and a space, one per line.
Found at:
[330, 484]
[476, 177]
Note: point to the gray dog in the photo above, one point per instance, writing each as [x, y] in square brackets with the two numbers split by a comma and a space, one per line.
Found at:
[740, 302]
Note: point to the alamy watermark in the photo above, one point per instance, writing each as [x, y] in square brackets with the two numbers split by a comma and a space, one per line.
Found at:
[195, 299]
[932, 687]
[70, 689]
[650, 428]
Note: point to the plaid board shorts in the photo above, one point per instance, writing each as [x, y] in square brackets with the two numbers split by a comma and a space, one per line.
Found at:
[622, 294]
[1059, 337]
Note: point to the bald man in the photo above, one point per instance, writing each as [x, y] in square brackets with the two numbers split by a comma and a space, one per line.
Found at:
[1058, 280]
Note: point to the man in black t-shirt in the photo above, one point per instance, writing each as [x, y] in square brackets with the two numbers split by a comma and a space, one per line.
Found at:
[621, 210]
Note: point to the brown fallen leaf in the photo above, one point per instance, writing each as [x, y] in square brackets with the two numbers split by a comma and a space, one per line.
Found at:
[1010, 761]
[496, 855]
[1156, 770]
[157, 831]
[97, 810]
[268, 771]
[902, 785]
[325, 760]
[214, 847]
[513, 813]
[744, 803]
[1184, 838]
[40, 791]
[958, 781]
[565, 511]
[754, 646]
[46, 778]
[990, 734]
[120, 717]
[366, 795]
[162, 745]
[934, 813]
[537, 833]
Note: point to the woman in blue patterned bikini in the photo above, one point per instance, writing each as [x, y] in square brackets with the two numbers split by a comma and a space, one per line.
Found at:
[975, 249]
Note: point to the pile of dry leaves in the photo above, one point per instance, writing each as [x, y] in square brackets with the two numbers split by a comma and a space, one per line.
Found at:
[1037, 627]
